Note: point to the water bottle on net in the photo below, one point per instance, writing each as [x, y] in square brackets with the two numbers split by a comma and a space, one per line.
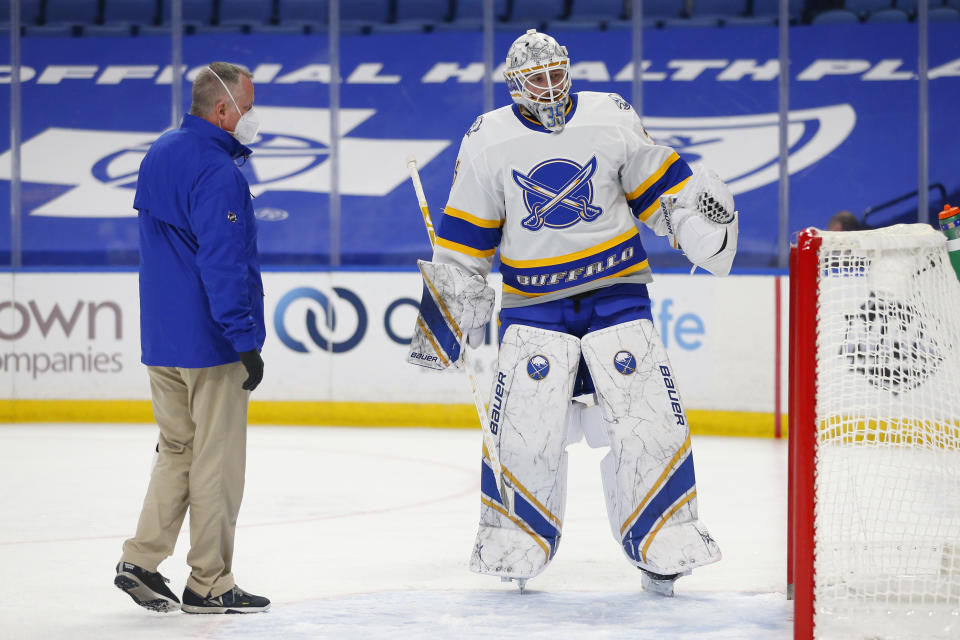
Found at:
[950, 225]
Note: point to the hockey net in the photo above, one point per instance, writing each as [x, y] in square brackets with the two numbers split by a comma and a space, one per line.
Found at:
[874, 435]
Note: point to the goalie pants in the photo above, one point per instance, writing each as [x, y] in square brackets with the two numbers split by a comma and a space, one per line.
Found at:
[201, 458]
[581, 314]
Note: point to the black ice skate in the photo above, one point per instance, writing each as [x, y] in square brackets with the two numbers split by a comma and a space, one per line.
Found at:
[658, 583]
[149, 590]
[234, 601]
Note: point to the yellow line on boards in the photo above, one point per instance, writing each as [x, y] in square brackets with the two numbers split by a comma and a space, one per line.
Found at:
[357, 414]
[363, 414]
[76, 411]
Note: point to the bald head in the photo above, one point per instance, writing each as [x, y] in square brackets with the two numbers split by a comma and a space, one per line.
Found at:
[221, 98]
[843, 221]
[208, 92]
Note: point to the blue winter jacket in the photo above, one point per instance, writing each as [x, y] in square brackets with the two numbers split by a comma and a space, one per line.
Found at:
[201, 296]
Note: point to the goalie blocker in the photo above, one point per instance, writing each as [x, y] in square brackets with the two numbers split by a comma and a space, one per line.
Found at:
[455, 307]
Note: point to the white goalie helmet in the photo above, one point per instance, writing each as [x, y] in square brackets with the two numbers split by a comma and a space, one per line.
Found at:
[538, 77]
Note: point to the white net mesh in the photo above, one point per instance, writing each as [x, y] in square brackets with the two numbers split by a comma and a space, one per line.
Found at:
[887, 515]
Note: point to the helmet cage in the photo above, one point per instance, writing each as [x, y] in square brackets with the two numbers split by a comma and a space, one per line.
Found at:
[534, 58]
[534, 94]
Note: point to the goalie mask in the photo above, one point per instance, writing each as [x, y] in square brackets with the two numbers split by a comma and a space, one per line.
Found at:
[538, 76]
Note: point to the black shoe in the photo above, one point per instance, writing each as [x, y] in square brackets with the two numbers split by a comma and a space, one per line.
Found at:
[234, 601]
[149, 590]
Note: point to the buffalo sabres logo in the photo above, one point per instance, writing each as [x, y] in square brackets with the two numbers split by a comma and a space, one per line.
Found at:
[538, 367]
[557, 193]
[624, 363]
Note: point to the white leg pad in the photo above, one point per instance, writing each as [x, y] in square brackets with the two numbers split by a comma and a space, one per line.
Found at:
[608, 475]
[586, 421]
[528, 417]
[593, 427]
[509, 546]
[680, 547]
[648, 475]
[574, 428]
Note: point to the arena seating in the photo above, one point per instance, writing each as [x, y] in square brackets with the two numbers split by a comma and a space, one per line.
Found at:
[717, 12]
[770, 9]
[935, 12]
[597, 11]
[66, 17]
[468, 14]
[414, 16]
[303, 11]
[71, 11]
[246, 13]
[944, 14]
[151, 17]
[836, 16]
[661, 9]
[888, 15]
[526, 11]
[364, 12]
[196, 14]
[656, 13]
[422, 11]
[300, 16]
[130, 12]
[29, 12]
[194, 11]
[863, 8]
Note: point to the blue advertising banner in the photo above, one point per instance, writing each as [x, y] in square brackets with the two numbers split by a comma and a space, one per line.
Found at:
[92, 106]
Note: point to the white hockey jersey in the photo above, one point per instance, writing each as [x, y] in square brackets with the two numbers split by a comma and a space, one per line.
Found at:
[561, 207]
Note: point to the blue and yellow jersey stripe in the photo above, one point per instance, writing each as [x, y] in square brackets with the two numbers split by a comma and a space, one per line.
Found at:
[670, 178]
[465, 233]
[620, 256]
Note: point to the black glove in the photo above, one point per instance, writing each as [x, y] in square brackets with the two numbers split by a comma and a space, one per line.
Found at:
[253, 363]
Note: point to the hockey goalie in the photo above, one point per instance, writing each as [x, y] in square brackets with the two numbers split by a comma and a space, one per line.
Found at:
[559, 183]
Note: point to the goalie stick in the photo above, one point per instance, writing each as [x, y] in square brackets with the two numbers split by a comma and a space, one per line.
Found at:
[488, 442]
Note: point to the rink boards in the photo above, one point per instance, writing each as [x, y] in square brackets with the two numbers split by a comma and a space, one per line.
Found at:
[336, 348]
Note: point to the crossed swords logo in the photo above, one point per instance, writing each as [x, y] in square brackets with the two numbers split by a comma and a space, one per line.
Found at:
[561, 197]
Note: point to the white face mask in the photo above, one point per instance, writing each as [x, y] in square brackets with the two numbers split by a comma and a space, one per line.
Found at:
[247, 127]
[249, 124]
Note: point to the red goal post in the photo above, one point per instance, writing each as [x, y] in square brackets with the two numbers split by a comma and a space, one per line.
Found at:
[874, 435]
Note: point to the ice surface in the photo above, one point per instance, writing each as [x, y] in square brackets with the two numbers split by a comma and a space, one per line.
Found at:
[366, 533]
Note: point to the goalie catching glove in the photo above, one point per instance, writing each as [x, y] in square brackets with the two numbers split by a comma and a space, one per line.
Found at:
[702, 221]
[455, 308]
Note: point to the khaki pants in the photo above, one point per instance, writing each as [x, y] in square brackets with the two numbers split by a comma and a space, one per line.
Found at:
[202, 415]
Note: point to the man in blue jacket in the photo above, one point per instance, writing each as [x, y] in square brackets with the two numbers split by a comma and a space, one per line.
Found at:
[201, 331]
